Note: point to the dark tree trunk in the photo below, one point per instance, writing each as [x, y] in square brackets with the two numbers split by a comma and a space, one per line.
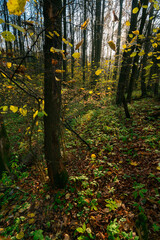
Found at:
[144, 59]
[52, 94]
[134, 74]
[97, 43]
[126, 60]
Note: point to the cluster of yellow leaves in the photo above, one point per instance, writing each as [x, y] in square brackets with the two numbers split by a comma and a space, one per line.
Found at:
[16, 7]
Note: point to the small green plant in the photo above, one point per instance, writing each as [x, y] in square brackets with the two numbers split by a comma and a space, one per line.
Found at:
[113, 230]
[139, 190]
[114, 233]
[38, 235]
[156, 228]
[111, 204]
[86, 233]
[94, 204]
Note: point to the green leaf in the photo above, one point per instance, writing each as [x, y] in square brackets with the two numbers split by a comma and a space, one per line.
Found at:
[8, 36]
[80, 230]
[18, 28]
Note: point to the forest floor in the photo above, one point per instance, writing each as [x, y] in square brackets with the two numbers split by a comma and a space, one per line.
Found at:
[113, 190]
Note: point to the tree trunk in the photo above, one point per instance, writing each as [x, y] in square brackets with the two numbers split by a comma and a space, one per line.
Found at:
[64, 35]
[52, 94]
[134, 74]
[126, 60]
[118, 42]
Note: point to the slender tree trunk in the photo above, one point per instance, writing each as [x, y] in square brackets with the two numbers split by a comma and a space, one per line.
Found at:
[71, 13]
[118, 41]
[144, 59]
[52, 94]
[64, 35]
[84, 47]
[126, 60]
[134, 74]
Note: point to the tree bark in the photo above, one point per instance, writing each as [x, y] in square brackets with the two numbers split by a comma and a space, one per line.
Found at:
[52, 94]
[126, 60]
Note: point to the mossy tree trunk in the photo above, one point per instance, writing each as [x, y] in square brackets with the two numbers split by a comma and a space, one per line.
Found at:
[52, 93]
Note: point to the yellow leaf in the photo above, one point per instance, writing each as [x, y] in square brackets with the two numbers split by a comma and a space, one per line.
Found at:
[16, 7]
[128, 23]
[155, 30]
[98, 72]
[158, 58]
[14, 109]
[136, 32]
[145, 6]
[79, 44]
[3, 75]
[35, 114]
[133, 54]
[93, 156]
[70, 44]
[154, 45]
[51, 34]
[57, 34]
[9, 64]
[135, 10]
[23, 111]
[90, 92]
[5, 108]
[8, 36]
[20, 235]
[76, 55]
[28, 77]
[64, 40]
[134, 163]
[131, 35]
[156, 6]
[124, 46]
[85, 24]
[52, 49]
[150, 54]
[151, 18]
[158, 168]
[59, 71]
[112, 45]
[141, 53]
